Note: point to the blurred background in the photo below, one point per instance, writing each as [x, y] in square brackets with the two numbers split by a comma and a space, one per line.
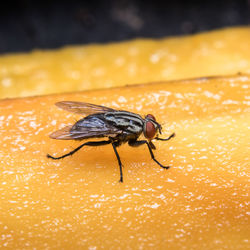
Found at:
[26, 25]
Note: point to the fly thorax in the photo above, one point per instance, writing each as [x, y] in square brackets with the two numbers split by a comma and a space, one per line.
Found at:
[130, 122]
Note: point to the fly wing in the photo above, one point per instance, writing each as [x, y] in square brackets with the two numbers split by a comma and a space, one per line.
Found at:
[83, 107]
[89, 127]
[62, 134]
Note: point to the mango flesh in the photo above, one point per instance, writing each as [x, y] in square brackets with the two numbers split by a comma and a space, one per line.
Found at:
[201, 202]
[221, 52]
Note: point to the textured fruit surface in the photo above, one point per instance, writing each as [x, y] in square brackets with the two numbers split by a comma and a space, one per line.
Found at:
[201, 202]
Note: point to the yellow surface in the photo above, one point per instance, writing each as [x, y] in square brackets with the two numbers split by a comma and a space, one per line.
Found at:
[221, 52]
[201, 202]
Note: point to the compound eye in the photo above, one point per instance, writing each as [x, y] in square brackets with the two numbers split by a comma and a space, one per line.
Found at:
[149, 130]
[149, 116]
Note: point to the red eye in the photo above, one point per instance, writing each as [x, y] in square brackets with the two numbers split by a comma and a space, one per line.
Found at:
[149, 116]
[149, 130]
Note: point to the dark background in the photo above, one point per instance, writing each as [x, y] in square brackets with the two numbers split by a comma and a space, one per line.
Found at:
[31, 24]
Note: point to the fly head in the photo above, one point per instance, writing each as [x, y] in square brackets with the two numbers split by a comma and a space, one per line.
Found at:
[151, 127]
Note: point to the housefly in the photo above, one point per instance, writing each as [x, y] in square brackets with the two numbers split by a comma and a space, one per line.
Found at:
[117, 126]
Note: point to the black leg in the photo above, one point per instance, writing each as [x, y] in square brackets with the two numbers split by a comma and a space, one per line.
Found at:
[161, 139]
[119, 160]
[152, 145]
[139, 143]
[90, 143]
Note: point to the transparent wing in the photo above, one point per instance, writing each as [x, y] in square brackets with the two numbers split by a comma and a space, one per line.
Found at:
[62, 134]
[83, 107]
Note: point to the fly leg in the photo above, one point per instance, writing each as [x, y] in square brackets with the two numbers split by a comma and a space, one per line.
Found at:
[161, 139]
[135, 143]
[90, 143]
[115, 145]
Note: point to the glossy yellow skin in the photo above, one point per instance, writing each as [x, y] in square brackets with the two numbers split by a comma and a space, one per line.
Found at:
[69, 69]
[201, 202]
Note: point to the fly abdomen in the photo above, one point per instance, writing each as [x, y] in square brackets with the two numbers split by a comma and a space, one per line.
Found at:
[91, 121]
[93, 126]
